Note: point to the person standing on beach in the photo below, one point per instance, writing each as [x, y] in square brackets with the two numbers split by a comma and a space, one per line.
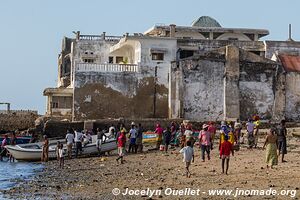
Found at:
[139, 138]
[282, 133]
[45, 150]
[173, 130]
[212, 130]
[167, 138]
[225, 149]
[3, 150]
[256, 131]
[13, 141]
[205, 142]
[61, 156]
[189, 134]
[237, 131]
[188, 157]
[101, 137]
[78, 142]
[250, 130]
[132, 137]
[271, 150]
[122, 127]
[159, 132]
[121, 146]
[70, 142]
[57, 150]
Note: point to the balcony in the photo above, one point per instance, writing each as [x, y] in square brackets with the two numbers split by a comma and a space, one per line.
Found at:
[90, 67]
[100, 37]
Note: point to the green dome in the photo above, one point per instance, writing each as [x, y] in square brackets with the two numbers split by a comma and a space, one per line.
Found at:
[205, 21]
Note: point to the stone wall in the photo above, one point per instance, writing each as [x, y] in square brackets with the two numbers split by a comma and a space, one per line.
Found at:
[197, 90]
[99, 95]
[257, 90]
[203, 91]
[58, 129]
[226, 84]
[292, 90]
[17, 120]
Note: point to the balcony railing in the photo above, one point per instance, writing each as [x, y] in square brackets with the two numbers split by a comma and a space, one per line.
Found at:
[90, 67]
[90, 37]
[112, 38]
[99, 37]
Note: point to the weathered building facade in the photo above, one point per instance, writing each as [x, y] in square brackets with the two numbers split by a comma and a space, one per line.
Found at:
[228, 83]
[199, 72]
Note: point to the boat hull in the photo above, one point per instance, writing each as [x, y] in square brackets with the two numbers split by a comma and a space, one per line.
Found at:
[33, 152]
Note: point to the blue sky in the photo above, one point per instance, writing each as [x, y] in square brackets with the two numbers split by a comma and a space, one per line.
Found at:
[31, 32]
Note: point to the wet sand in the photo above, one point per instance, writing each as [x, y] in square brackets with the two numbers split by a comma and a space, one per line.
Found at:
[95, 178]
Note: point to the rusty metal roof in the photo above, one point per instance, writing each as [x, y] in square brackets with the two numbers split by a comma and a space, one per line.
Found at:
[290, 63]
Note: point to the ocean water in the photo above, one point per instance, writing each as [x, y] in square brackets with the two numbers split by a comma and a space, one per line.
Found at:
[12, 173]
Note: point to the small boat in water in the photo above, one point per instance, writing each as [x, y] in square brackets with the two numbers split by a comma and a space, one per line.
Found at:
[33, 151]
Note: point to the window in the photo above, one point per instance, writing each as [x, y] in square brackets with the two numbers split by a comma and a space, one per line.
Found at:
[186, 53]
[54, 104]
[157, 56]
[119, 59]
[110, 59]
[232, 39]
[88, 60]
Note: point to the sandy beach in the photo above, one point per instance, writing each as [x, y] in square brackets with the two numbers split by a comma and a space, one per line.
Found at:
[95, 178]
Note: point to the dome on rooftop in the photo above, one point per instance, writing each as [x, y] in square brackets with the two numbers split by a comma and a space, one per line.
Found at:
[205, 21]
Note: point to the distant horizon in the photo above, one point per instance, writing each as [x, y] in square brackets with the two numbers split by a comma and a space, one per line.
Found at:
[32, 32]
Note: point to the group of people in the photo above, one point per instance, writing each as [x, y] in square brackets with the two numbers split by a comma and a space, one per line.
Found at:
[135, 136]
[76, 139]
[230, 138]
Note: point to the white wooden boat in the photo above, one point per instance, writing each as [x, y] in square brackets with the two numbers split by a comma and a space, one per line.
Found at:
[33, 151]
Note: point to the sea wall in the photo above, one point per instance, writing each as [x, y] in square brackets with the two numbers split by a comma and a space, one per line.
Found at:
[17, 119]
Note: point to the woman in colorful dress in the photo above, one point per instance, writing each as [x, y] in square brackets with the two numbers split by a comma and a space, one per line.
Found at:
[271, 149]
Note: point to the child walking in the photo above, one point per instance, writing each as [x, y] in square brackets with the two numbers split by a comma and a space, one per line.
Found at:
[121, 146]
[57, 150]
[188, 157]
[61, 156]
[225, 149]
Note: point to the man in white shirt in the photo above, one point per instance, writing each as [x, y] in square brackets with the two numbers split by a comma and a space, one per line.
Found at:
[78, 142]
[70, 141]
[132, 136]
[250, 130]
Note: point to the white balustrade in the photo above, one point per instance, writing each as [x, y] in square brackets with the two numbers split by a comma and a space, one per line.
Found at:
[91, 67]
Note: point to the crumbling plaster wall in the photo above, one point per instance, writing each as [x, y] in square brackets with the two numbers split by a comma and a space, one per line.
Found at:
[203, 91]
[292, 91]
[256, 90]
[119, 94]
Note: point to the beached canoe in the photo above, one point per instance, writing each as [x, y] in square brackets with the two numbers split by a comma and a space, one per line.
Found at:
[33, 151]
